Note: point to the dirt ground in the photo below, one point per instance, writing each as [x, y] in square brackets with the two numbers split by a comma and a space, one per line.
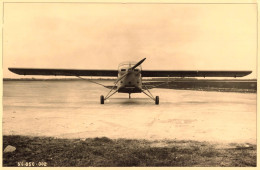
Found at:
[71, 109]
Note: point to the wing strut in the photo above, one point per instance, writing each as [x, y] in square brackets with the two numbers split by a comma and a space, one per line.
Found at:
[94, 82]
[148, 91]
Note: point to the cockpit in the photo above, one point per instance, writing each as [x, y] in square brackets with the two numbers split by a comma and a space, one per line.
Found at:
[122, 67]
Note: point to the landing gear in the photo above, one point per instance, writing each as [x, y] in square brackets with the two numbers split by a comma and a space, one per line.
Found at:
[129, 95]
[110, 93]
[157, 100]
[102, 99]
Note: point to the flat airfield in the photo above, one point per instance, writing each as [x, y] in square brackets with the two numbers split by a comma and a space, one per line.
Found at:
[71, 109]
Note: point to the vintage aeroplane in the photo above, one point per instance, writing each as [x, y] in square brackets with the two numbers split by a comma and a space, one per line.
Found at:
[129, 76]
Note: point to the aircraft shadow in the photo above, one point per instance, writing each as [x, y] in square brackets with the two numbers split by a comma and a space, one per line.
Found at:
[132, 101]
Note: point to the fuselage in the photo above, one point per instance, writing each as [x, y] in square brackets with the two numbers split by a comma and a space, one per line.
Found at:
[132, 82]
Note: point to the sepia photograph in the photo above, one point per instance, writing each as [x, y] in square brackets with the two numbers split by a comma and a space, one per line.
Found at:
[129, 84]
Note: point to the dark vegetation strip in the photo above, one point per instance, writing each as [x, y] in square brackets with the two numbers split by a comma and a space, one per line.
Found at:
[203, 85]
[105, 152]
[236, 85]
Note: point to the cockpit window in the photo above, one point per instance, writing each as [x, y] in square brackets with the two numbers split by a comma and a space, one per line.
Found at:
[136, 70]
[123, 69]
[128, 64]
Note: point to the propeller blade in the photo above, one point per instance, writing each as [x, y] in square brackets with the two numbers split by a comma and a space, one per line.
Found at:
[137, 64]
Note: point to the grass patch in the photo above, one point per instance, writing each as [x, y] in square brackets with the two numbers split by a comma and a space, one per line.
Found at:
[105, 152]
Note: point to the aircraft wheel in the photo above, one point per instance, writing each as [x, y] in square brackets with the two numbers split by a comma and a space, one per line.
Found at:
[157, 100]
[102, 99]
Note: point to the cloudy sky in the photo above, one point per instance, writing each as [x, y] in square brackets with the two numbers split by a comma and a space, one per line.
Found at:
[100, 36]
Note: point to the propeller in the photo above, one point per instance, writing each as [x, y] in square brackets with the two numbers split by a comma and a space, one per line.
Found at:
[137, 64]
[128, 71]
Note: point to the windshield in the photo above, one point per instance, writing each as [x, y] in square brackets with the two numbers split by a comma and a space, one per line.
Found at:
[125, 65]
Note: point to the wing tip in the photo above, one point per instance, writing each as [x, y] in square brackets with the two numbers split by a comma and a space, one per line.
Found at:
[11, 69]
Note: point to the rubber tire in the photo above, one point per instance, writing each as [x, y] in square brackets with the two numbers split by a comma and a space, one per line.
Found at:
[157, 100]
[102, 99]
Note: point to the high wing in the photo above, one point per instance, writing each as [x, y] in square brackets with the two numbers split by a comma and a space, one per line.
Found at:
[64, 72]
[114, 73]
[192, 73]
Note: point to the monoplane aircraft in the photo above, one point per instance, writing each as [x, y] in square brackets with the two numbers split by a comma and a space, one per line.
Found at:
[129, 77]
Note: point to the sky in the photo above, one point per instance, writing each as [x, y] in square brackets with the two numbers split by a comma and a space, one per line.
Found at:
[100, 36]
